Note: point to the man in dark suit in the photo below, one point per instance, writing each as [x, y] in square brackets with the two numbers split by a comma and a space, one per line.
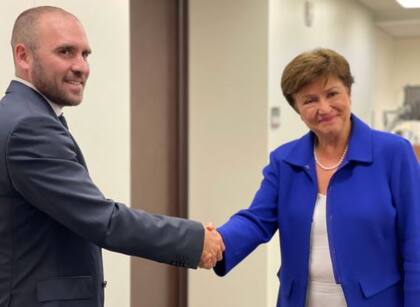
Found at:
[53, 219]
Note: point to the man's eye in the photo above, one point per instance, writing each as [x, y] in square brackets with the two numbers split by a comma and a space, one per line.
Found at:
[65, 51]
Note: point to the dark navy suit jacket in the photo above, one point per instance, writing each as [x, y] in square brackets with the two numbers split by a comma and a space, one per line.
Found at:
[373, 219]
[54, 220]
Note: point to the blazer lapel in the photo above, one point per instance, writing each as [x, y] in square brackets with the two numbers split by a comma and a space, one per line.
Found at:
[78, 152]
[43, 106]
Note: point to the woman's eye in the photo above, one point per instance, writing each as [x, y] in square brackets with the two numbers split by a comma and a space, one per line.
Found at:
[332, 94]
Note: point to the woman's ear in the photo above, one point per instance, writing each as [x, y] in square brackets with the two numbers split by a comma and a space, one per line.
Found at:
[294, 106]
[349, 93]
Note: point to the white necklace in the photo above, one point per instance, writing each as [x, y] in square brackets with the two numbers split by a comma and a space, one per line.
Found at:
[332, 167]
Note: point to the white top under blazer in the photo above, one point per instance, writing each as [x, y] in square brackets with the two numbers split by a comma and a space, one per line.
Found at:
[322, 289]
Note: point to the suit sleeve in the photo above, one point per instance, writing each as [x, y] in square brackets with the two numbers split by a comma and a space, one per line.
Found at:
[406, 192]
[248, 228]
[43, 167]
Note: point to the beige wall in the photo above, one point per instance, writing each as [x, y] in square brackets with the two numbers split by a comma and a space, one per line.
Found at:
[397, 65]
[407, 53]
[385, 89]
[228, 133]
[101, 123]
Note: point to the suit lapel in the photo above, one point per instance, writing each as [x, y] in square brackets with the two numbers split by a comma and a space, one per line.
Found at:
[78, 152]
[39, 102]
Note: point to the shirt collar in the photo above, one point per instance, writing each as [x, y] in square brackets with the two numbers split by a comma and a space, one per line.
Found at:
[360, 146]
[58, 110]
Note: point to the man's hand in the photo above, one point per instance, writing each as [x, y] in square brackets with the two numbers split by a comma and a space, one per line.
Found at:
[213, 247]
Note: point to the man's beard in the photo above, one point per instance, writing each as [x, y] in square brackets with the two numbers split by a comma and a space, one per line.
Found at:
[49, 88]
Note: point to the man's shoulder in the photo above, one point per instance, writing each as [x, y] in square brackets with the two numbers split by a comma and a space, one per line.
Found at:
[19, 103]
[22, 121]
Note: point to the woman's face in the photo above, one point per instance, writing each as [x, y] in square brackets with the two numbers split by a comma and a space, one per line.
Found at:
[324, 106]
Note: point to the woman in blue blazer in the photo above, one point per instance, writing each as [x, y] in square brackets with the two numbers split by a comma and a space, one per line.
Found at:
[343, 189]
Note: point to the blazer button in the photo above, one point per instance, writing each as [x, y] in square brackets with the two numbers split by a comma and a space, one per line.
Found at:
[104, 283]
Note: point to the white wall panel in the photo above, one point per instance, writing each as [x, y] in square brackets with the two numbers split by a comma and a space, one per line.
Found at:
[228, 134]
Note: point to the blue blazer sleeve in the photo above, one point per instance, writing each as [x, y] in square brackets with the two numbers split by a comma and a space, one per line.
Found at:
[248, 228]
[43, 167]
[405, 187]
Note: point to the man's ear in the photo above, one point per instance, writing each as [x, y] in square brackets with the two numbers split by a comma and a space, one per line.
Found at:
[23, 57]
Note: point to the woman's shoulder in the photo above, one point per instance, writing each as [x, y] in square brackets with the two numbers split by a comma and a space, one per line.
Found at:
[292, 149]
[388, 139]
[285, 147]
[391, 147]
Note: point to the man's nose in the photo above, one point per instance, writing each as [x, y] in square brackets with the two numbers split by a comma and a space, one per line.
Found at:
[80, 65]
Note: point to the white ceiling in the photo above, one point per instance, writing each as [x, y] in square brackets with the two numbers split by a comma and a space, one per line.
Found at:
[394, 19]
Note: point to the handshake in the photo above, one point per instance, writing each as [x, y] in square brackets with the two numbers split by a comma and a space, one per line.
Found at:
[213, 247]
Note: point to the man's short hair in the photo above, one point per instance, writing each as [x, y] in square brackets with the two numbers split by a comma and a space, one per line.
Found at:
[26, 25]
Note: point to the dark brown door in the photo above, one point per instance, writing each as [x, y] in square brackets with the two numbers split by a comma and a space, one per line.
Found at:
[158, 136]
[417, 150]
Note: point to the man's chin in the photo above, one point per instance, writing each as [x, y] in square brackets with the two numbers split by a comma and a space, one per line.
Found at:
[70, 102]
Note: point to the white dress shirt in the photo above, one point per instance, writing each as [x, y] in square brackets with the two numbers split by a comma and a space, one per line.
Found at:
[322, 289]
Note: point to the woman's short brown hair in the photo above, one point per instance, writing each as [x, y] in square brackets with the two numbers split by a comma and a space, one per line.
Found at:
[312, 65]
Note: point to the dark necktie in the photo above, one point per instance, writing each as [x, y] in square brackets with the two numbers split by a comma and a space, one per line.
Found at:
[78, 152]
[63, 121]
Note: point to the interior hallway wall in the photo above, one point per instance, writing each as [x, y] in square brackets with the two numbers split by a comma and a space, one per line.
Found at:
[396, 68]
[228, 48]
[407, 52]
[384, 89]
[397, 65]
[101, 123]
